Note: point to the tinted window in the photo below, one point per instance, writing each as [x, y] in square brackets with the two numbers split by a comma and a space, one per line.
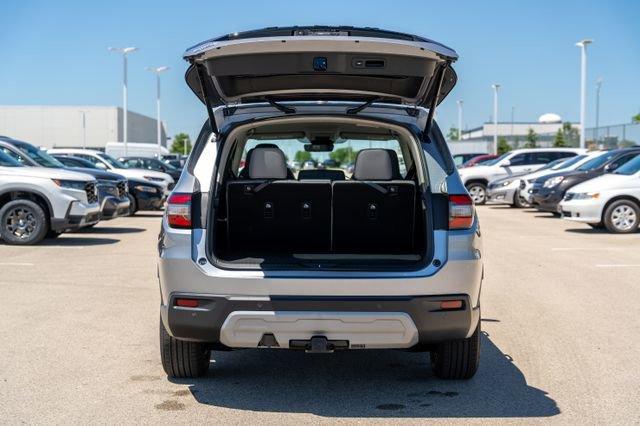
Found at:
[568, 163]
[520, 160]
[596, 162]
[40, 156]
[630, 167]
[543, 157]
[11, 154]
[7, 161]
[621, 161]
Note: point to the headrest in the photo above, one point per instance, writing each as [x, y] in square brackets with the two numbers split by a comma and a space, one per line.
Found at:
[376, 164]
[267, 163]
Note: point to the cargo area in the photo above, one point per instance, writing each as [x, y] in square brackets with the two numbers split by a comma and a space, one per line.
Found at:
[322, 194]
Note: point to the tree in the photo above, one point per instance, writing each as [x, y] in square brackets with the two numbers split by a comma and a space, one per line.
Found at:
[343, 155]
[636, 118]
[503, 145]
[178, 145]
[559, 141]
[570, 134]
[302, 156]
[454, 134]
[532, 139]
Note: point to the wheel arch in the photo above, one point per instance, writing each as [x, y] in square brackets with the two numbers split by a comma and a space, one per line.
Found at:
[483, 181]
[27, 194]
[628, 197]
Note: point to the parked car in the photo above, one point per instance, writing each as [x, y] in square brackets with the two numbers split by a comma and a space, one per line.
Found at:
[478, 160]
[476, 179]
[527, 182]
[36, 202]
[151, 164]
[142, 194]
[112, 188]
[235, 267]
[460, 159]
[611, 200]
[548, 191]
[506, 190]
[106, 162]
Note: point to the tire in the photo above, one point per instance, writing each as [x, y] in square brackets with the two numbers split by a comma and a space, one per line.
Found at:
[133, 206]
[457, 359]
[182, 359]
[622, 217]
[23, 222]
[478, 192]
[519, 202]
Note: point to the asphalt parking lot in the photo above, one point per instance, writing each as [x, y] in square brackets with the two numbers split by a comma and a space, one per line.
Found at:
[561, 310]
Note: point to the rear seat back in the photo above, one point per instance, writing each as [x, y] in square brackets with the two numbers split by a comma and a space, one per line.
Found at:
[374, 212]
[269, 214]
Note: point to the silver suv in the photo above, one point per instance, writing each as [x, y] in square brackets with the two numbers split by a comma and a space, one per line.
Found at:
[379, 248]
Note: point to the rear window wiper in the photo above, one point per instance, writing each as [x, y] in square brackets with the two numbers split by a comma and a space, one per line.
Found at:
[359, 108]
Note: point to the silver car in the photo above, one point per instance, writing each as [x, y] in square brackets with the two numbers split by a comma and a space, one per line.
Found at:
[251, 256]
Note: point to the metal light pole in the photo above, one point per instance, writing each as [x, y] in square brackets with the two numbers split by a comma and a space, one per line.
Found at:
[598, 87]
[495, 117]
[582, 44]
[157, 72]
[460, 120]
[124, 51]
[84, 130]
[513, 111]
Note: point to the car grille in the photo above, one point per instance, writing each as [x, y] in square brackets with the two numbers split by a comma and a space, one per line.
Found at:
[569, 196]
[92, 193]
[122, 189]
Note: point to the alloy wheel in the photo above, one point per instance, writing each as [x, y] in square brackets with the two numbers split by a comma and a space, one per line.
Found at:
[21, 222]
[478, 194]
[623, 217]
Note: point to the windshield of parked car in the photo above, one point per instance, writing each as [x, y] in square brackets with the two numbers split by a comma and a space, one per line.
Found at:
[630, 167]
[597, 162]
[6, 161]
[39, 156]
[495, 160]
[568, 163]
[76, 162]
[112, 161]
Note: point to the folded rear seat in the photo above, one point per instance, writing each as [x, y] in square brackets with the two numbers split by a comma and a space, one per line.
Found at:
[268, 213]
[374, 211]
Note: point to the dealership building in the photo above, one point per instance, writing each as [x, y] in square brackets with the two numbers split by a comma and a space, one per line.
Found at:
[76, 126]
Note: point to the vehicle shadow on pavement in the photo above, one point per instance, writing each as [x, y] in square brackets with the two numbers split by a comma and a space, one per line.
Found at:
[69, 241]
[109, 230]
[588, 230]
[367, 384]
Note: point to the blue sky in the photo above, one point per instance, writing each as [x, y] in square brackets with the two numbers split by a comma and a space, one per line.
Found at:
[56, 52]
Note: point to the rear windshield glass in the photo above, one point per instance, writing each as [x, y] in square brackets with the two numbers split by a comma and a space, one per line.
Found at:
[340, 157]
[629, 168]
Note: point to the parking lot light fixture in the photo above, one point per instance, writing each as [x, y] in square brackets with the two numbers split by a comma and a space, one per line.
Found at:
[495, 117]
[582, 44]
[124, 51]
[157, 71]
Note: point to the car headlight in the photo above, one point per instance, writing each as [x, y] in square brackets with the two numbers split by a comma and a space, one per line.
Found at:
[154, 179]
[145, 188]
[71, 184]
[586, 196]
[550, 183]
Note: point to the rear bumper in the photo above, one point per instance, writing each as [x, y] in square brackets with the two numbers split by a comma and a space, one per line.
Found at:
[365, 322]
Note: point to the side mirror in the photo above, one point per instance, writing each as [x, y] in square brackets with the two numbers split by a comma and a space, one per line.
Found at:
[505, 163]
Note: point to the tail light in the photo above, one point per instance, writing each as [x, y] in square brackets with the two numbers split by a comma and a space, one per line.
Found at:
[179, 210]
[460, 212]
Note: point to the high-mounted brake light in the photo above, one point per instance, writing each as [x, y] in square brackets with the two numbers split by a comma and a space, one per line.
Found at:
[179, 210]
[460, 212]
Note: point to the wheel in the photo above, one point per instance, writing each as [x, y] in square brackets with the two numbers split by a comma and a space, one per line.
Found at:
[457, 359]
[133, 206]
[622, 217]
[478, 192]
[182, 359]
[519, 202]
[23, 222]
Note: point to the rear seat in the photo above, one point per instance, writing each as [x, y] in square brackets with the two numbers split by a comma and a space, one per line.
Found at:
[268, 213]
[374, 212]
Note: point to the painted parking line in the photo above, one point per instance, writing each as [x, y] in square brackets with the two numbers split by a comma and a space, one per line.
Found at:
[619, 266]
[585, 248]
[16, 264]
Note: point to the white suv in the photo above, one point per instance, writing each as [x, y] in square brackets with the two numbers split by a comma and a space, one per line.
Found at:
[514, 163]
[36, 202]
[253, 255]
